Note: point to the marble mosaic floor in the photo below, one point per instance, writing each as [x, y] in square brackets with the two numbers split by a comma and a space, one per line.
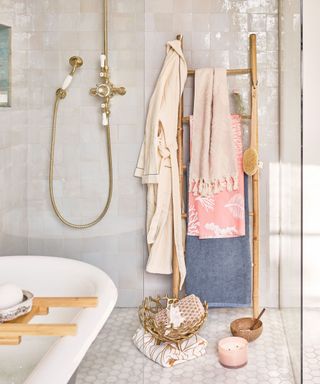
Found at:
[311, 347]
[114, 359]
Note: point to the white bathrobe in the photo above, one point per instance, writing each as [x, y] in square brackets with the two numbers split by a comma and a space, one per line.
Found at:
[158, 166]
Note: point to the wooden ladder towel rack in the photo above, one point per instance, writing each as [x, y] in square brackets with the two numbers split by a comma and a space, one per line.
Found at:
[252, 71]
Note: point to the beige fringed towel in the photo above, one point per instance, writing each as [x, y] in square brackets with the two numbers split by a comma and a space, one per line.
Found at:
[213, 165]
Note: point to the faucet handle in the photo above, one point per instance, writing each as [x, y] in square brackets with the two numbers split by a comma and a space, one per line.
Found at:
[93, 91]
[119, 90]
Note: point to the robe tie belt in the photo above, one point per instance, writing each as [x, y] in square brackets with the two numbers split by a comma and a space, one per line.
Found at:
[169, 159]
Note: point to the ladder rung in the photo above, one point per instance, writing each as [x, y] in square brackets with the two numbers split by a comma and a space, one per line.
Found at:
[240, 71]
[184, 215]
[186, 119]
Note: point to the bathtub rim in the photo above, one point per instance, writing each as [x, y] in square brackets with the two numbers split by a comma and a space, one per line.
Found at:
[65, 354]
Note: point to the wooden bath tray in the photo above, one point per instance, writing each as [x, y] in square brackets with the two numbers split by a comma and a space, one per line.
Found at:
[12, 331]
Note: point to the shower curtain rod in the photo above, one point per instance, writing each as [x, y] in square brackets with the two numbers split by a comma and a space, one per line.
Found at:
[252, 71]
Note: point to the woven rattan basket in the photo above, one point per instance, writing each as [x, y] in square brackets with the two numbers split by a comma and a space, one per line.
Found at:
[152, 305]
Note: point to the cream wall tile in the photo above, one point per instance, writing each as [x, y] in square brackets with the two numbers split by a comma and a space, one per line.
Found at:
[201, 40]
[70, 6]
[156, 6]
[51, 41]
[163, 22]
[273, 59]
[220, 59]
[182, 6]
[69, 39]
[7, 17]
[20, 41]
[182, 22]
[36, 40]
[218, 6]
[122, 41]
[261, 41]
[202, 6]
[270, 6]
[220, 22]
[124, 6]
[201, 22]
[200, 58]
[254, 6]
[272, 23]
[272, 41]
[89, 41]
[123, 22]
[22, 22]
[70, 22]
[221, 40]
[239, 22]
[257, 22]
[88, 6]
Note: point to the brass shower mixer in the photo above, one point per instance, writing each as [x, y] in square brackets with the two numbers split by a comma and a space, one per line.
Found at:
[106, 90]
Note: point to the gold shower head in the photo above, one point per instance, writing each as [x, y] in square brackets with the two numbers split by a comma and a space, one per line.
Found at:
[75, 62]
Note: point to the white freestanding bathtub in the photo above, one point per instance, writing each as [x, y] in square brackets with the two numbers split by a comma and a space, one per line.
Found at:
[53, 360]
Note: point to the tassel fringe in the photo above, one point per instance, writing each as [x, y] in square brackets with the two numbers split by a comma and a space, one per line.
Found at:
[207, 188]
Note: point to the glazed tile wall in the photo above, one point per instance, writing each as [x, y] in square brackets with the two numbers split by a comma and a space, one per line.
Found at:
[46, 34]
[81, 182]
[216, 34]
[13, 139]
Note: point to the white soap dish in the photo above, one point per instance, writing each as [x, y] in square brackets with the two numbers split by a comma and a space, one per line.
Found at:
[18, 310]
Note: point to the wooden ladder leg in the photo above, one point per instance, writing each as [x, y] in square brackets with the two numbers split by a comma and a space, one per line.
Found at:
[255, 180]
[175, 275]
[175, 265]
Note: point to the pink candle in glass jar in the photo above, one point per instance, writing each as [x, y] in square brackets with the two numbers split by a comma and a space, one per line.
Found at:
[233, 352]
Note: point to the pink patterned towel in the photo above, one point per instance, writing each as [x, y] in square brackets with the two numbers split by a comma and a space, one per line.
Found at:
[220, 215]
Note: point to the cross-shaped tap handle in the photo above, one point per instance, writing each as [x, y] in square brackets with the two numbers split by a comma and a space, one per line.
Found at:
[107, 90]
[119, 91]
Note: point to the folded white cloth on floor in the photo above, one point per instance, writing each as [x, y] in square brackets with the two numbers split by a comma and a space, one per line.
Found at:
[168, 354]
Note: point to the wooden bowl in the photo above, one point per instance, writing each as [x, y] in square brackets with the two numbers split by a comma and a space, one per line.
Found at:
[241, 328]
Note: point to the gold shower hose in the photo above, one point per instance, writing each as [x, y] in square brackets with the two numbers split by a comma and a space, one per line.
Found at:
[105, 90]
[61, 94]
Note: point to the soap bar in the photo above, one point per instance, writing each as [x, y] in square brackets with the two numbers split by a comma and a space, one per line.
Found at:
[10, 295]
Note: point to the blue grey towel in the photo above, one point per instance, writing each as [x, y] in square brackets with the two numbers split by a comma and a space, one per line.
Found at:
[219, 270]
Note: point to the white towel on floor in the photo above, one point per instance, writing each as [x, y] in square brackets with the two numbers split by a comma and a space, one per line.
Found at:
[168, 354]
